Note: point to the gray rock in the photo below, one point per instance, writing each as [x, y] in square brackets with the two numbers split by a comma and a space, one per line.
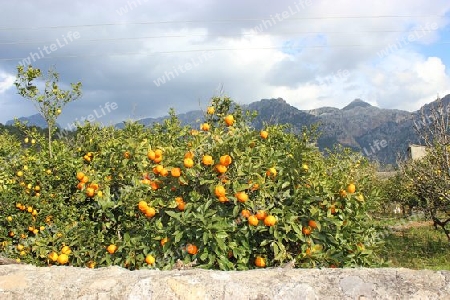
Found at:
[29, 282]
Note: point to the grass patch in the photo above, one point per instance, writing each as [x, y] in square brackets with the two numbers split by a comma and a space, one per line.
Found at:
[417, 248]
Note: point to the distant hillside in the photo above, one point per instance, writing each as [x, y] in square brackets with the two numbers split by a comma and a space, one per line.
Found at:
[380, 134]
[33, 120]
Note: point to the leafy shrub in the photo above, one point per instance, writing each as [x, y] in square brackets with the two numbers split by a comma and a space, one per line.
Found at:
[146, 197]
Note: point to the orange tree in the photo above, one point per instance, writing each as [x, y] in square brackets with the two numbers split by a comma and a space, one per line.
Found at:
[429, 177]
[398, 190]
[223, 194]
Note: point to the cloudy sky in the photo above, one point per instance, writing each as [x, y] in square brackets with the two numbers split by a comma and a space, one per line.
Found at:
[148, 56]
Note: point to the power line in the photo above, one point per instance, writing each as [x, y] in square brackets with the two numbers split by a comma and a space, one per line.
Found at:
[216, 21]
[200, 50]
[205, 35]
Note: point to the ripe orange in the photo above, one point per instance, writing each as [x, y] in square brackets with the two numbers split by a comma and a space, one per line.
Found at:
[66, 250]
[189, 154]
[158, 169]
[20, 173]
[306, 230]
[245, 213]
[53, 256]
[270, 221]
[253, 220]
[219, 191]
[191, 249]
[261, 214]
[241, 196]
[343, 193]
[94, 186]
[151, 155]
[164, 172]
[80, 186]
[111, 249]
[154, 185]
[255, 187]
[157, 159]
[210, 110]
[229, 120]
[205, 127]
[90, 192]
[164, 241]
[312, 224]
[207, 160]
[264, 134]
[91, 264]
[260, 262]
[20, 247]
[85, 179]
[221, 168]
[142, 205]
[225, 160]
[351, 188]
[308, 251]
[175, 172]
[127, 155]
[149, 212]
[63, 259]
[188, 162]
[271, 172]
[158, 152]
[181, 205]
[223, 199]
[80, 176]
[149, 259]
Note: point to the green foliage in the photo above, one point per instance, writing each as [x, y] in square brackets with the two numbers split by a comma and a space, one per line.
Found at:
[49, 101]
[121, 187]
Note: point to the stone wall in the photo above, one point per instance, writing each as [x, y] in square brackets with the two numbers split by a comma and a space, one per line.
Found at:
[28, 282]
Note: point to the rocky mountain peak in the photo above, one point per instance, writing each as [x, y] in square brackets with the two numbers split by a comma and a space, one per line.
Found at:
[356, 103]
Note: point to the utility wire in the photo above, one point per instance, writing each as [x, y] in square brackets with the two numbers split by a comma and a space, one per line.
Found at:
[204, 35]
[200, 50]
[216, 21]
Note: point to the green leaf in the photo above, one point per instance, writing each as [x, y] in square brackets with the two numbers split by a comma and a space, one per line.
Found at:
[178, 236]
[173, 214]
[221, 244]
[221, 235]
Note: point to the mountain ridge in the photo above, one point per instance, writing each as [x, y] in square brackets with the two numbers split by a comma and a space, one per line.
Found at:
[358, 125]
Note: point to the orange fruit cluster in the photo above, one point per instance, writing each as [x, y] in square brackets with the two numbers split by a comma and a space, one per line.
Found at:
[148, 211]
[220, 193]
[155, 156]
[180, 203]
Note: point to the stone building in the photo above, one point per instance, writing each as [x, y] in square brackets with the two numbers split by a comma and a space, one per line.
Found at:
[416, 151]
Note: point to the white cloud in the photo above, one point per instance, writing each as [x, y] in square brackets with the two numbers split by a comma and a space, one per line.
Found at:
[303, 70]
[6, 82]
